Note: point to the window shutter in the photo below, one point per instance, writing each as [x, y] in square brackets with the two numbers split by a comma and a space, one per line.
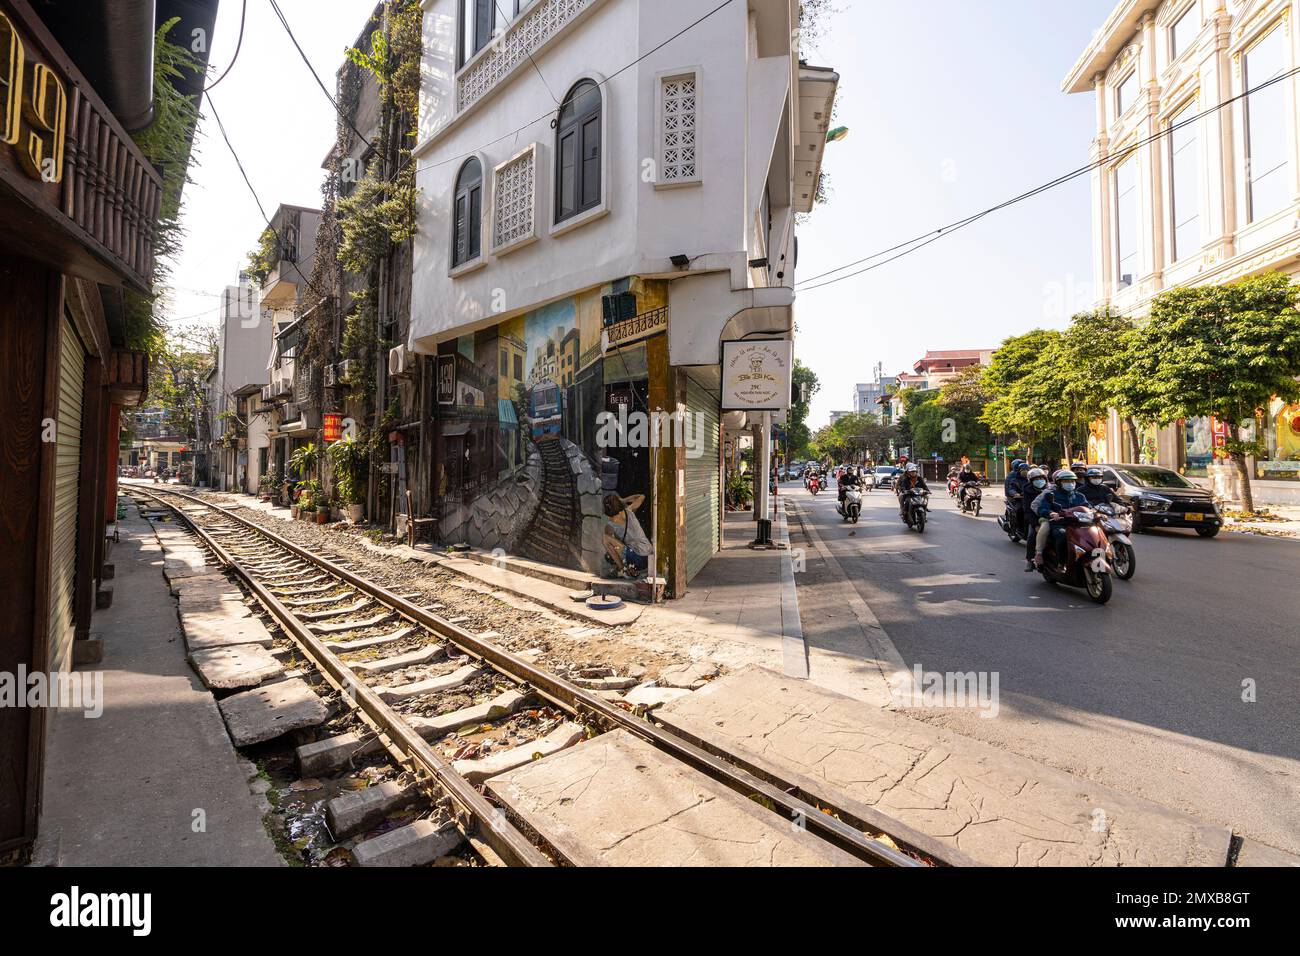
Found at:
[475, 224]
[568, 174]
[462, 252]
[591, 163]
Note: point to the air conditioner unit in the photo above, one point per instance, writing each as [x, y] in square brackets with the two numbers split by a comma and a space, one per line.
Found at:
[348, 369]
[267, 393]
[401, 361]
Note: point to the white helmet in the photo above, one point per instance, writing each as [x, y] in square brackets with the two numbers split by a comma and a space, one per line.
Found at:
[1036, 473]
[912, 469]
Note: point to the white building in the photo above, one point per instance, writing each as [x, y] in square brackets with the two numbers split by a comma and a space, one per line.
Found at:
[242, 344]
[608, 200]
[1186, 192]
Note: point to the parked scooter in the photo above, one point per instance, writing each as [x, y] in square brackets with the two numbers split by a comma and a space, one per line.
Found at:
[1117, 522]
[850, 509]
[1013, 520]
[1087, 554]
[916, 507]
[970, 498]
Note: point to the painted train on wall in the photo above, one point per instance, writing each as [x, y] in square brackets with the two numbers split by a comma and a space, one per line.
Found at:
[518, 465]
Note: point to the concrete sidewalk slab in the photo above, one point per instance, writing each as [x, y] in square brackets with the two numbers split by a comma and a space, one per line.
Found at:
[269, 712]
[235, 666]
[219, 630]
[154, 781]
[615, 800]
[998, 808]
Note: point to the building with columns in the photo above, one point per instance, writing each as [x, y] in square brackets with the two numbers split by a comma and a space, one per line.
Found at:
[1196, 179]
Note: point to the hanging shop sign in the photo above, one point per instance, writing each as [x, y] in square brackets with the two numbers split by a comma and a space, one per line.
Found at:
[756, 374]
[333, 426]
[446, 379]
[75, 191]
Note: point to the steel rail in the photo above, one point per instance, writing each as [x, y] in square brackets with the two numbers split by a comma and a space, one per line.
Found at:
[506, 841]
[806, 813]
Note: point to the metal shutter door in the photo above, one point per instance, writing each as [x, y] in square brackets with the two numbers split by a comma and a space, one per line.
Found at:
[67, 468]
[703, 481]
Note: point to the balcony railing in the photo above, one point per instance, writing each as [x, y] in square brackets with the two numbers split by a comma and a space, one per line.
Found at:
[521, 40]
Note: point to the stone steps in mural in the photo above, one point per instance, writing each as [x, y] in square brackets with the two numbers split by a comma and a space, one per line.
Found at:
[549, 537]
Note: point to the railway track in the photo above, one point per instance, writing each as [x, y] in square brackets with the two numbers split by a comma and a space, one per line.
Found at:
[358, 638]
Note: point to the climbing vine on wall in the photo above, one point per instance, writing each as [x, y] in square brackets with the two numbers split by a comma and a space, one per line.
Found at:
[167, 143]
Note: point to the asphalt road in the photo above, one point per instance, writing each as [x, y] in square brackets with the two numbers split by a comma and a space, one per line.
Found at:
[1144, 694]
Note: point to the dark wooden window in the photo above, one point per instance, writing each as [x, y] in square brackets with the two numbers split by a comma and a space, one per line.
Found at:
[577, 150]
[468, 214]
[478, 18]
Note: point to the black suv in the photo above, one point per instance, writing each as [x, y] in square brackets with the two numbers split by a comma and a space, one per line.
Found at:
[1162, 498]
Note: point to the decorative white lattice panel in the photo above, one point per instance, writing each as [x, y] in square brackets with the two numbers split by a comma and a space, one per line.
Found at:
[515, 199]
[678, 130]
[522, 38]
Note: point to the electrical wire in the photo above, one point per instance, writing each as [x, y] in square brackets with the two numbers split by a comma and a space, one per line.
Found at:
[923, 240]
[328, 95]
[243, 13]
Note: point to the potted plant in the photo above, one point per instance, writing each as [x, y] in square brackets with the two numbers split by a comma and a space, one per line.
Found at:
[322, 511]
[267, 485]
[349, 458]
[309, 499]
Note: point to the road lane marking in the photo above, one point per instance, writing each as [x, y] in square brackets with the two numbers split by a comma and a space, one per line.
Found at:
[898, 689]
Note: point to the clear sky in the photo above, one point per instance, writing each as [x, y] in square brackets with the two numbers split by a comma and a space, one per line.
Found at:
[952, 106]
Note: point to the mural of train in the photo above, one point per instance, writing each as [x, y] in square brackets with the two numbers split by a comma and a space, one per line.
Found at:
[545, 409]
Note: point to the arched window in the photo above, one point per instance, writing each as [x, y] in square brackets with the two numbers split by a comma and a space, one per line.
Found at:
[577, 152]
[467, 214]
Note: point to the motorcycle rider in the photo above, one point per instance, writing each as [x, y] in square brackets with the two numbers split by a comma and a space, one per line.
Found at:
[1035, 487]
[1050, 504]
[1095, 491]
[1014, 485]
[849, 479]
[912, 480]
[966, 476]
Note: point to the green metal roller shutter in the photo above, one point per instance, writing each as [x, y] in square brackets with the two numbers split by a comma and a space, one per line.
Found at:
[703, 481]
[67, 470]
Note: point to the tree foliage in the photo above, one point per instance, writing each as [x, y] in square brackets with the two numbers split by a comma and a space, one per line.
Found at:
[1221, 351]
[798, 434]
[855, 437]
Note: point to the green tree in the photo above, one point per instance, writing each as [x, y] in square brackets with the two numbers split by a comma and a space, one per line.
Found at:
[947, 420]
[798, 434]
[1224, 351]
[854, 438]
[180, 365]
[1014, 363]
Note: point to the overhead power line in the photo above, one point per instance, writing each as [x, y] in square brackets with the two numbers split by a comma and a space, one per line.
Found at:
[923, 240]
[239, 45]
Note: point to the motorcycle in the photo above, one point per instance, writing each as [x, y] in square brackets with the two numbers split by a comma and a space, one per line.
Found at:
[814, 484]
[1087, 555]
[953, 485]
[971, 498]
[916, 506]
[1012, 521]
[1117, 522]
[850, 509]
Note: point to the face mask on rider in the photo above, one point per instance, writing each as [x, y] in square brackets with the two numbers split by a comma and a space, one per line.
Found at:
[1040, 482]
[1067, 486]
[1094, 481]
